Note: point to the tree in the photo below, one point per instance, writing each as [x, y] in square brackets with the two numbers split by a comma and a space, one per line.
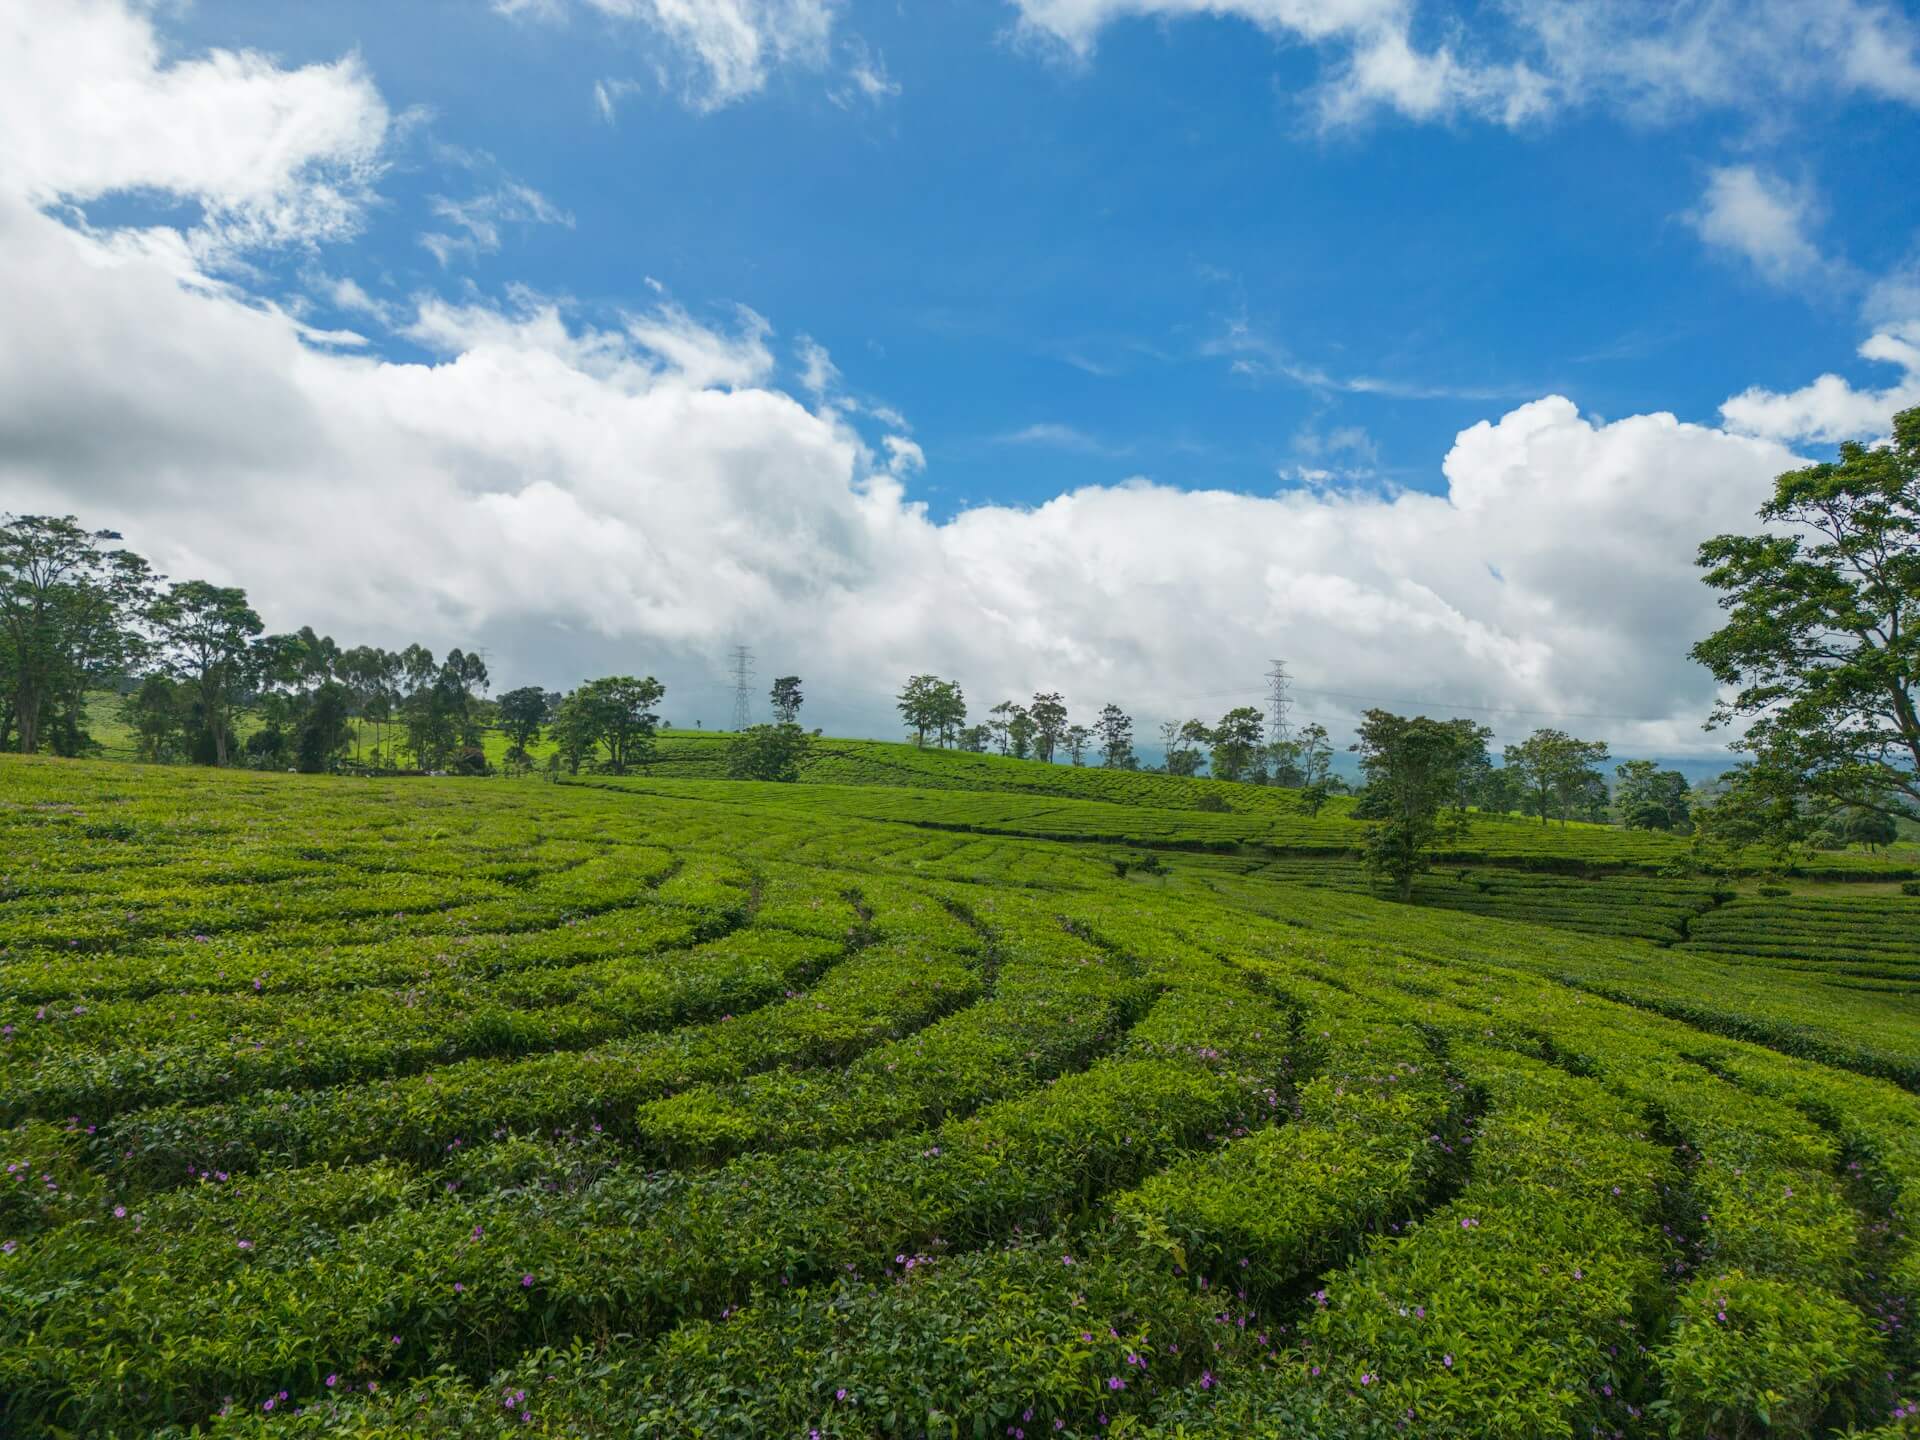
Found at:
[1075, 743]
[919, 706]
[206, 633]
[949, 711]
[1649, 798]
[976, 738]
[623, 718]
[321, 736]
[575, 730]
[1822, 639]
[67, 611]
[1115, 730]
[768, 752]
[521, 714]
[156, 713]
[1758, 806]
[1019, 733]
[1236, 753]
[1413, 770]
[787, 700]
[1182, 740]
[1870, 828]
[1000, 720]
[1555, 771]
[1049, 715]
[1314, 753]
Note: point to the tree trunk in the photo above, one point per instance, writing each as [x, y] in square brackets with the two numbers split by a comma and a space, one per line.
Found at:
[27, 716]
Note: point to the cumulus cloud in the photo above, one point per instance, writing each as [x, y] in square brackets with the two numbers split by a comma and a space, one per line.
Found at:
[731, 45]
[1832, 408]
[91, 105]
[1761, 218]
[1526, 59]
[635, 495]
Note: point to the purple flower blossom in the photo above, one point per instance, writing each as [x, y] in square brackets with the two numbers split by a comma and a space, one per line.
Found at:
[526, 1282]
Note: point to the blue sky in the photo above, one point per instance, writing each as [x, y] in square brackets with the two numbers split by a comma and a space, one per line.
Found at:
[1042, 263]
[609, 331]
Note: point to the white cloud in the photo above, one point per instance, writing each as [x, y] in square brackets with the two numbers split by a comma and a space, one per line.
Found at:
[477, 220]
[1762, 218]
[1525, 59]
[608, 94]
[1052, 435]
[1831, 409]
[733, 45]
[90, 105]
[866, 80]
[634, 496]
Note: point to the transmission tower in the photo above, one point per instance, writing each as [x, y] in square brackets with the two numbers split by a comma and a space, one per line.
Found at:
[1280, 704]
[742, 687]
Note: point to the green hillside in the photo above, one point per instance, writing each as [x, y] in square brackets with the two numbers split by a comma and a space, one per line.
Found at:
[688, 1107]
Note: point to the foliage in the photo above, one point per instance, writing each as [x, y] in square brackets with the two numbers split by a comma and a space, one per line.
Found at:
[1236, 752]
[1114, 730]
[1413, 769]
[1555, 772]
[787, 700]
[1649, 798]
[616, 712]
[1048, 714]
[522, 713]
[206, 634]
[930, 705]
[68, 611]
[1820, 641]
[768, 752]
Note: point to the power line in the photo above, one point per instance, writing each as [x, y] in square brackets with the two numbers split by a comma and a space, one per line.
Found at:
[742, 687]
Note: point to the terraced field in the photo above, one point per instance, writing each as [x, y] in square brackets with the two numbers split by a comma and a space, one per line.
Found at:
[685, 1108]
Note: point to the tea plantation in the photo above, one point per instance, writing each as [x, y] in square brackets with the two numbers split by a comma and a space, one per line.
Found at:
[930, 1098]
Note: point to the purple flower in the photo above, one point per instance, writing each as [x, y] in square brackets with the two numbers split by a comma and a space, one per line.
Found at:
[841, 1393]
[1447, 1361]
[1206, 1379]
[1114, 1382]
[1368, 1377]
[119, 1212]
[244, 1244]
[332, 1380]
[526, 1282]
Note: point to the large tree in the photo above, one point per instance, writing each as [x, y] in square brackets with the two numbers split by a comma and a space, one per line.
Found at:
[787, 700]
[1555, 771]
[522, 712]
[1237, 753]
[1413, 769]
[1649, 798]
[1115, 731]
[926, 707]
[624, 717]
[1049, 715]
[68, 608]
[206, 639]
[1821, 646]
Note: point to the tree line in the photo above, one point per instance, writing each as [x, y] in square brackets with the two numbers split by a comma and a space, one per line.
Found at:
[1817, 660]
[80, 614]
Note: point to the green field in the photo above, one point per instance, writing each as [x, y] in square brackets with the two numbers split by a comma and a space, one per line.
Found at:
[889, 1104]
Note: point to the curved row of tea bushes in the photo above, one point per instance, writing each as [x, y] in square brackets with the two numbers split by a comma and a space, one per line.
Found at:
[882, 993]
[190, 1050]
[630, 1252]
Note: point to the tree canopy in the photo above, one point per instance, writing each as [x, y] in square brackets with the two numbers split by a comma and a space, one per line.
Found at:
[1821, 645]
